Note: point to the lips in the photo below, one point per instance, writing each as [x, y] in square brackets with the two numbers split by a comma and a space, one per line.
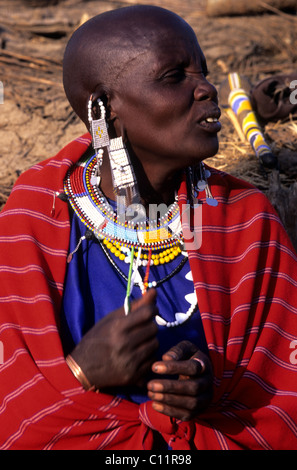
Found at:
[210, 121]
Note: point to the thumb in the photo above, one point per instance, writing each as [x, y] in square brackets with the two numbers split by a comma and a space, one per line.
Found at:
[180, 352]
[148, 298]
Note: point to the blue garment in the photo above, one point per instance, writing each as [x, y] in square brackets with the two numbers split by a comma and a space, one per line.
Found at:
[93, 289]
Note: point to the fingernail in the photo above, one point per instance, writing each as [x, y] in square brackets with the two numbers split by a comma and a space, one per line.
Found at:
[172, 355]
[201, 364]
[157, 406]
[160, 368]
[155, 387]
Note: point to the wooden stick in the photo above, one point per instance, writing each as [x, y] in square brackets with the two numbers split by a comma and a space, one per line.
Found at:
[231, 115]
[18, 63]
[278, 12]
[26, 58]
[31, 79]
[243, 7]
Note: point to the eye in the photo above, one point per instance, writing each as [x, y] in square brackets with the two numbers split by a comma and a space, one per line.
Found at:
[174, 75]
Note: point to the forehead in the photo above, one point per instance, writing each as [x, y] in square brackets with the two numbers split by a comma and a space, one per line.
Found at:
[177, 46]
[165, 46]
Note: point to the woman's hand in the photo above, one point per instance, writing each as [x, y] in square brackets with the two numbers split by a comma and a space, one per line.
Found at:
[119, 350]
[183, 398]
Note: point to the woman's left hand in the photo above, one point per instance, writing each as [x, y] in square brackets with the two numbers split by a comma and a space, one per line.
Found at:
[188, 395]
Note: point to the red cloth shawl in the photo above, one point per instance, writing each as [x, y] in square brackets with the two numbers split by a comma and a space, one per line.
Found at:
[245, 276]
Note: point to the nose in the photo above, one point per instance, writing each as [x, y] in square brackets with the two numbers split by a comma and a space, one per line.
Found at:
[205, 90]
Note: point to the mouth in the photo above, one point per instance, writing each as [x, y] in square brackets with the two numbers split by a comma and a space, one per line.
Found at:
[210, 122]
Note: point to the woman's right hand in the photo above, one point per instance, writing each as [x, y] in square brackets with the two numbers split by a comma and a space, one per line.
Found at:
[119, 350]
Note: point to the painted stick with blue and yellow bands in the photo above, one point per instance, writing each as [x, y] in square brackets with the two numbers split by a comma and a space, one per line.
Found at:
[240, 103]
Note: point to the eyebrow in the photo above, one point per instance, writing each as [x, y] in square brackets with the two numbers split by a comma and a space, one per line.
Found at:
[176, 63]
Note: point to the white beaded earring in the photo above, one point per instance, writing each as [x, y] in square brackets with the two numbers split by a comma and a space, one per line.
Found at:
[99, 134]
[124, 181]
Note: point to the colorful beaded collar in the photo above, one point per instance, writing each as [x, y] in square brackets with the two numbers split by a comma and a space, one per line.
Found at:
[93, 209]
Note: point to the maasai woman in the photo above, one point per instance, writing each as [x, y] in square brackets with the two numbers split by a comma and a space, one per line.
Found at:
[149, 301]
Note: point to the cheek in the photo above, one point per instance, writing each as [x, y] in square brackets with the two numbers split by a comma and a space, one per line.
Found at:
[156, 122]
[156, 110]
[148, 122]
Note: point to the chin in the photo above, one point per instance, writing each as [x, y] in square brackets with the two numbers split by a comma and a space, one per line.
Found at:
[207, 152]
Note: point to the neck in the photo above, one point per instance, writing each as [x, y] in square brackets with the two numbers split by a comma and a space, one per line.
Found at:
[156, 185]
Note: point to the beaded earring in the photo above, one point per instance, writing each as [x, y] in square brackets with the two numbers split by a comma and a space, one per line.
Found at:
[124, 181]
[99, 134]
[198, 182]
[205, 174]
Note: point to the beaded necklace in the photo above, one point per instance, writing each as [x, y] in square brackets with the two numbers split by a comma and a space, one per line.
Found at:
[152, 243]
[163, 237]
[138, 281]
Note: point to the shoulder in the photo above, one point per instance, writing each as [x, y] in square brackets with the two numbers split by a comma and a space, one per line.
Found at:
[242, 209]
[233, 191]
[59, 164]
[46, 177]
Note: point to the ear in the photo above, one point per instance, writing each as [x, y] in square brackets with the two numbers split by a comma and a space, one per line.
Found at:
[111, 107]
[116, 127]
[97, 95]
[111, 104]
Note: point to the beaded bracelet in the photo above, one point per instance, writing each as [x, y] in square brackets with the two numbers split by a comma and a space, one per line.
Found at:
[79, 374]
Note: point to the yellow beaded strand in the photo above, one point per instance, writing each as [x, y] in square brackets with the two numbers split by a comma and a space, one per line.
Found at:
[163, 257]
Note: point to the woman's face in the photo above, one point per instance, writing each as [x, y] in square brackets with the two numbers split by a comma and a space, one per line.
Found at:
[166, 105]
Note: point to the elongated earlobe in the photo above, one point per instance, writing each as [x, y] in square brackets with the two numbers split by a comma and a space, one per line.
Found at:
[99, 132]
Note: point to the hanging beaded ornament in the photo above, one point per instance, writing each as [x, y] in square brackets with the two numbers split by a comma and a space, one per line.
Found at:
[198, 182]
[123, 177]
[99, 133]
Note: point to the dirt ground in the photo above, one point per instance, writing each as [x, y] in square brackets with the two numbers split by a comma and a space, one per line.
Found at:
[36, 119]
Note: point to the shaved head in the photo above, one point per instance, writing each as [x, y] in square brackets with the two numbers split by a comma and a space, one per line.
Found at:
[99, 52]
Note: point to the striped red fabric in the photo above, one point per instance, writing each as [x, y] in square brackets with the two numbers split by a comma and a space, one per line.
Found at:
[245, 277]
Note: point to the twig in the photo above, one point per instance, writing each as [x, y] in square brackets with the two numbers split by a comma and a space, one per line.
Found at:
[278, 12]
[31, 79]
[40, 28]
[26, 58]
[17, 63]
[4, 196]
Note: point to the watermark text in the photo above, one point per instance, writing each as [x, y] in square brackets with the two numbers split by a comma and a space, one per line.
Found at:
[293, 95]
[293, 355]
[1, 353]
[159, 223]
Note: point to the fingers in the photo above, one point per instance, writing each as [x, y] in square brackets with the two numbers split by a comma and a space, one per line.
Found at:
[149, 298]
[120, 348]
[184, 359]
[178, 411]
[139, 325]
[177, 387]
[191, 368]
[143, 310]
[183, 350]
[145, 304]
[181, 399]
[192, 392]
[202, 364]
